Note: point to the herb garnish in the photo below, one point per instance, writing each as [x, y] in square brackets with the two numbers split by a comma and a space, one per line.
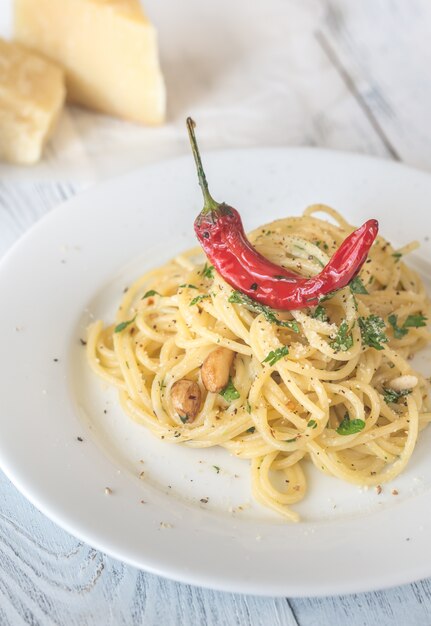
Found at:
[150, 293]
[237, 297]
[328, 296]
[357, 286]
[372, 328]
[343, 340]
[350, 427]
[322, 244]
[276, 355]
[217, 469]
[248, 407]
[208, 271]
[320, 314]
[251, 429]
[392, 396]
[397, 256]
[123, 325]
[413, 321]
[230, 393]
[186, 285]
[312, 424]
[199, 299]
[184, 418]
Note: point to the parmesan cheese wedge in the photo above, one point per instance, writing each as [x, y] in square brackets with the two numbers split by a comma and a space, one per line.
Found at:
[108, 49]
[32, 94]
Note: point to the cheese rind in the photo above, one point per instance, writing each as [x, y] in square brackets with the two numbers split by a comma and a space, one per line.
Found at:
[108, 49]
[32, 94]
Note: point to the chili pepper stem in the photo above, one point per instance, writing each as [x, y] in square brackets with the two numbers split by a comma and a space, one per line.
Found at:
[209, 203]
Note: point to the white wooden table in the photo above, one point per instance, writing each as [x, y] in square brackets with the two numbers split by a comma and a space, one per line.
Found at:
[342, 74]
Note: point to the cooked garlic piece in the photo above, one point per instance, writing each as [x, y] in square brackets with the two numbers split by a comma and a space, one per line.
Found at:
[215, 369]
[403, 383]
[186, 399]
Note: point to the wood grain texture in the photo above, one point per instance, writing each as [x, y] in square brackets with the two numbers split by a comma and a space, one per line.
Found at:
[383, 46]
[23, 204]
[331, 73]
[47, 577]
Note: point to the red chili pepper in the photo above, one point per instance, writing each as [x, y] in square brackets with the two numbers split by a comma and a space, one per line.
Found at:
[221, 234]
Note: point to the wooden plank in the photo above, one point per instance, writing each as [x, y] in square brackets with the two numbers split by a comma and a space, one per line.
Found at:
[48, 577]
[384, 48]
[409, 605]
[22, 204]
[273, 83]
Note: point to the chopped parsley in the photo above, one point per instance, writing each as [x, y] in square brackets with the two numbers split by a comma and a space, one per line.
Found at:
[208, 271]
[343, 340]
[392, 396]
[184, 418]
[357, 286]
[237, 297]
[397, 256]
[276, 355]
[150, 293]
[320, 314]
[187, 286]
[350, 427]
[199, 299]
[399, 331]
[372, 331]
[248, 408]
[322, 244]
[312, 424]
[217, 469]
[230, 393]
[123, 325]
[328, 296]
[251, 429]
[413, 321]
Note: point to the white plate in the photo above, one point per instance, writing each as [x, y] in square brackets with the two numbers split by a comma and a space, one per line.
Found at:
[74, 264]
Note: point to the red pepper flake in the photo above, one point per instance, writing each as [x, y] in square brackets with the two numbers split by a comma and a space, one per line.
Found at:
[394, 492]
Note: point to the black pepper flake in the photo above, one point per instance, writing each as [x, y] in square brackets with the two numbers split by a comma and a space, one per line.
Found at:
[55, 360]
[204, 500]
[82, 342]
[254, 286]
[206, 235]
[80, 439]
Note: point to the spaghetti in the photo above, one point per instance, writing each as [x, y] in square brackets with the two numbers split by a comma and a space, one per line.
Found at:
[331, 384]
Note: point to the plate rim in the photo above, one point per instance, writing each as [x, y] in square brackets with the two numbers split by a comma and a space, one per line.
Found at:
[46, 509]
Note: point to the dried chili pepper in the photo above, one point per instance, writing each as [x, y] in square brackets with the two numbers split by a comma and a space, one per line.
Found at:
[221, 234]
